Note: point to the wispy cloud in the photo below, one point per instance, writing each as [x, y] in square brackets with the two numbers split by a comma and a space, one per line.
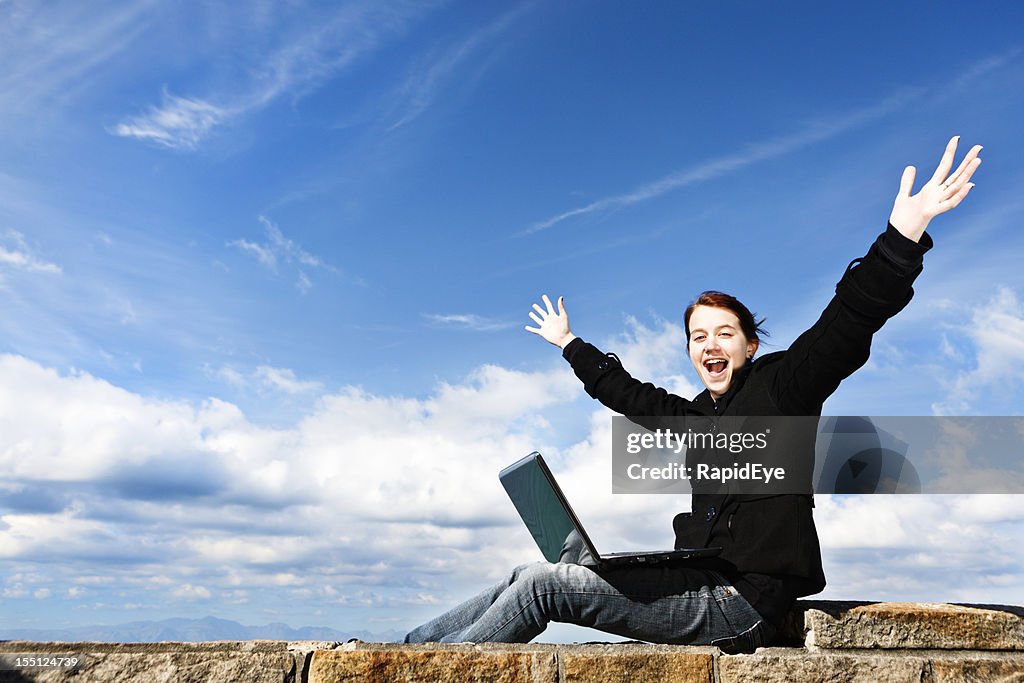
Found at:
[469, 321]
[268, 378]
[284, 379]
[190, 592]
[16, 252]
[52, 50]
[281, 251]
[422, 87]
[720, 166]
[817, 131]
[319, 48]
[980, 68]
[180, 123]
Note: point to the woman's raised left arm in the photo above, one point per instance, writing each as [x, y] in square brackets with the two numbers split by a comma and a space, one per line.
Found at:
[873, 289]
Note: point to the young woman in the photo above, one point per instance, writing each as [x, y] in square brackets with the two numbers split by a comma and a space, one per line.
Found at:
[770, 547]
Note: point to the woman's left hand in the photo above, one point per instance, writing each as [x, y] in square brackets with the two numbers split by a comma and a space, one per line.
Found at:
[911, 214]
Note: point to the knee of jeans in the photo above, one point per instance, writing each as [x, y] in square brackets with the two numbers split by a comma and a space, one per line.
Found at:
[522, 570]
[536, 573]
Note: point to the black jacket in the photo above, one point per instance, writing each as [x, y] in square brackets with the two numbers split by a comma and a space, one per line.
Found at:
[770, 545]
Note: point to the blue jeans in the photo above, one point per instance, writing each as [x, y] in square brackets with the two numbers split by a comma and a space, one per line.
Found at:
[658, 604]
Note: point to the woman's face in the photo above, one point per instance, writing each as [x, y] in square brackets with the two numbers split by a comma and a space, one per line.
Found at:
[717, 346]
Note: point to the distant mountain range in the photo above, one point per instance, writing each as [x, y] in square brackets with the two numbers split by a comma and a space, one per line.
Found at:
[193, 630]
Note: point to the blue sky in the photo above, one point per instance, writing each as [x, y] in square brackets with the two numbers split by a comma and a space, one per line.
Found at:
[265, 267]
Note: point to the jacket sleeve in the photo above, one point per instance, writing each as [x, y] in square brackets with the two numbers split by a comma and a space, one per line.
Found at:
[873, 289]
[605, 379]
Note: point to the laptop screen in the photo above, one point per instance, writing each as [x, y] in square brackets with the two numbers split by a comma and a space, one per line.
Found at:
[543, 508]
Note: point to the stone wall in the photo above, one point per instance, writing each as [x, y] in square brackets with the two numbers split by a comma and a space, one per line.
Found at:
[823, 641]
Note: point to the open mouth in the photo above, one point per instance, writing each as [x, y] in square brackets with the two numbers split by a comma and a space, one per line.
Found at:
[715, 366]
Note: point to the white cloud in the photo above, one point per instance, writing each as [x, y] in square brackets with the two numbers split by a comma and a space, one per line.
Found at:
[94, 580]
[178, 123]
[995, 333]
[915, 547]
[287, 249]
[378, 463]
[316, 45]
[469, 321]
[710, 169]
[285, 380]
[265, 379]
[253, 550]
[263, 253]
[983, 509]
[18, 254]
[57, 50]
[657, 354]
[303, 283]
[190, 592]
[68, 428]
[814, 132]
[280, 250]
[389, 501]
[421, 88]
[15, 591]
[39, 535]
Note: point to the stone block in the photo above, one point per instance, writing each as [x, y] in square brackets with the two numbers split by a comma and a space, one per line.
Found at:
[971, 667]
[778, 665]
[257, 661]
[371, 662]
[785, 665]
[636, 663]
[914, 625]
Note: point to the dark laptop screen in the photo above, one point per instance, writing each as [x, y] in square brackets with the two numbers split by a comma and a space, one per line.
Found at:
[537, 499]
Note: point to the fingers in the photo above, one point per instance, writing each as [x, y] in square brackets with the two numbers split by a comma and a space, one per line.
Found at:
[972, 167]
[907, 181]
[955, 200]
[539, 314]
[551, 326]
[946, 162]
[971, 156]
[955, 184]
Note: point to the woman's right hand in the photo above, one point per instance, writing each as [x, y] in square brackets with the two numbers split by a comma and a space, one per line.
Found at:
[551, 325]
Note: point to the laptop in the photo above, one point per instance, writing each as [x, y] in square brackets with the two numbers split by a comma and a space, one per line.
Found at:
[557, 530]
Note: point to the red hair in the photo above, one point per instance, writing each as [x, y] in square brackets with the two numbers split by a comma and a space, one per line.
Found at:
[749, 325]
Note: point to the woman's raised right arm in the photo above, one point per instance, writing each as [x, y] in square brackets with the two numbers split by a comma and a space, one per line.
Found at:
[602, 374]
[552, 326]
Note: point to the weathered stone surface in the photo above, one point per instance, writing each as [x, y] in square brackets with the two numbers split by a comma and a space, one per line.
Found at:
[784, 665]
[972, 667]
[636, 663]
[771, 665]
[901, 625]
[368, 662]
[259, 661]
